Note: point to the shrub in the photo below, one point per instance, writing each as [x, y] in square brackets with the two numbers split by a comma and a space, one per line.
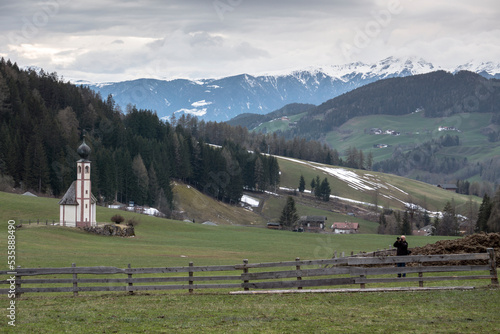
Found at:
[133, 222]
[117, 219]
[6, 183]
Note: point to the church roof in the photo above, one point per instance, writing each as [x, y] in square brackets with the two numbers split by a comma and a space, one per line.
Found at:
[83, 150]
[70, 197]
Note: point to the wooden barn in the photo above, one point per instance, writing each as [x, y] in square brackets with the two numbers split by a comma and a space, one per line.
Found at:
[313, 223]
[345, 228]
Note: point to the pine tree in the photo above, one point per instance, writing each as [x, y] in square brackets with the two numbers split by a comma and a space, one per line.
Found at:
[259, 175]
[313, 185]
[382, 223]
[302, 184]
[484, 214]
[493, 222]
[289, 216]
[317, 189]
[449, 224]
[325, 190]
[141, 180]
[406, 225]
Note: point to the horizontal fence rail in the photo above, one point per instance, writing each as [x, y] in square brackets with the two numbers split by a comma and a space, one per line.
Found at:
[296, 274]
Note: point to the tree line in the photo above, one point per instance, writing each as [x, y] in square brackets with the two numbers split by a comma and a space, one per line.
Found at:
[135, 154]
[450, 222]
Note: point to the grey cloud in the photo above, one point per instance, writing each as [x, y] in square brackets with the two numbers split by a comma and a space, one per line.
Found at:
[249, 35]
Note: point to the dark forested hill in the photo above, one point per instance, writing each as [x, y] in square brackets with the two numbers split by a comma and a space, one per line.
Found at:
[135, 155]
[437, 94]
[251, 121]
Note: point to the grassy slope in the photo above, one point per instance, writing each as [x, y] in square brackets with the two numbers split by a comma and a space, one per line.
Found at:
[277, 124]
[161, 242]
[424, 194]
[202, 208]
[415, 129]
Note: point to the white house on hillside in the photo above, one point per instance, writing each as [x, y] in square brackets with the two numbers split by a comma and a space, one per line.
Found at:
[77, 208]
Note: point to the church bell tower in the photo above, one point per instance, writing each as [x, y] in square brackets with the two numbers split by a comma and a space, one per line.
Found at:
[83, 187]
[78, 206]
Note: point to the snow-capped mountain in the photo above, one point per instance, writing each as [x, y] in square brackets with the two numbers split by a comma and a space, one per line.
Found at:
[486, 69]
[225, 98]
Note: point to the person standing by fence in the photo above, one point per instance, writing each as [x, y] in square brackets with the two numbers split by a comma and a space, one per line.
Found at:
[402, 249]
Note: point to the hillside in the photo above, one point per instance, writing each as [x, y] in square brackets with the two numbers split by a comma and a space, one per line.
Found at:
[252, 121]
[435, 127]
[353, 192]
[436, 94]
[365, 188]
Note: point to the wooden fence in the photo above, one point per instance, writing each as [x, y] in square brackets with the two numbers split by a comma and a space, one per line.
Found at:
[296, 274]
[46, 222]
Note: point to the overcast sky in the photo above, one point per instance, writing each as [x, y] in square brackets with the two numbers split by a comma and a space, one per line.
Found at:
[113, 40]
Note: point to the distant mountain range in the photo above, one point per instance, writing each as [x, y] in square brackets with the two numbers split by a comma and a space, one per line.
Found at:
[223, 99]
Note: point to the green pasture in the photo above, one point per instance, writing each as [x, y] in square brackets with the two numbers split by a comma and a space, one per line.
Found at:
[473, 311]
[415, 129]
[277, 124]
[165, 243]
[161, 242]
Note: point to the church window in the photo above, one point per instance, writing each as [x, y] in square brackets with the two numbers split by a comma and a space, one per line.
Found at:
[79, 169]
[87, 169]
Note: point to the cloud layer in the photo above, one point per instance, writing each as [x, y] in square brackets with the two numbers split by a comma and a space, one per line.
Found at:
[115, 40]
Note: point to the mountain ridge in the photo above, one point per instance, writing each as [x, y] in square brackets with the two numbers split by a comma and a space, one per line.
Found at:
[221, 99]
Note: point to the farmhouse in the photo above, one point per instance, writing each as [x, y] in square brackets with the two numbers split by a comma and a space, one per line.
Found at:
[449, 187]
[77, 208]
[345, 228]
[312, 223]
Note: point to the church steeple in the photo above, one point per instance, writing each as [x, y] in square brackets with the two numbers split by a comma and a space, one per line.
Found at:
[83, 150]
[78, 206]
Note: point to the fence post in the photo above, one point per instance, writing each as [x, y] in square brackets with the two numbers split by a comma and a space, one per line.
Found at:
[245, 271]
[362, 285]
[18, 286]
[190, 276]
[299, 278]
[75, 281]
[130, 284]
[493, 266]
[420, 275]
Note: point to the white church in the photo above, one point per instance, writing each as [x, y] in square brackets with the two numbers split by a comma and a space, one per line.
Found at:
[78, 206]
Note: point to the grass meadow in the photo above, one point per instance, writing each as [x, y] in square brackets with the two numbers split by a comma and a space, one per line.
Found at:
[166, 243]
[415, 129]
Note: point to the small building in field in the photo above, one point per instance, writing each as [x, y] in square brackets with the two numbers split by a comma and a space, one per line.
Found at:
[345, 228]
[274, 226]
[313, 223]
[77, 208]
[449, 187]
[424, 231]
